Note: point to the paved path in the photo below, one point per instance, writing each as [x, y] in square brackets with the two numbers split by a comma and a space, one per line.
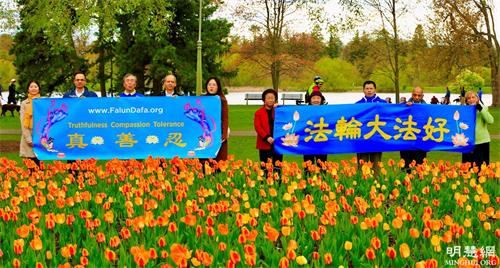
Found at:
[240, 133]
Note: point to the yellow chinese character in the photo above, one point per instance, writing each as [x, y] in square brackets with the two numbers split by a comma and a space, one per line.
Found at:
[126, 140]
[175, 138]
[430, 129]
[376, 128]
[409, 131]
[320, 132]
[76, 140]
[349, 130]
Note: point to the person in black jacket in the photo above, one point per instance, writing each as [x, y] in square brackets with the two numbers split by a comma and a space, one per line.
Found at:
[12, 92]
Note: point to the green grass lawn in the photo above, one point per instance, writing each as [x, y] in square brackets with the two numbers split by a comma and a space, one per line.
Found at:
[9, 122]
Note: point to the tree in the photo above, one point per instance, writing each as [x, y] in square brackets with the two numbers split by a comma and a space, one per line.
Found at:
[469, 80]
[389, 12]
[473, 19]
[267, 47]
[359, 52]
[334, 46]
[61, 22]
[417, 55]
[40, 57]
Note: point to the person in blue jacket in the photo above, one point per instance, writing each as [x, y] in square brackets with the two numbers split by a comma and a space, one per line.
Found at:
[129, 85]
[370, 91]
[80, 90]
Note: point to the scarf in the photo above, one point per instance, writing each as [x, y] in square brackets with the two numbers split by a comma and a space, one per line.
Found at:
[28, 114]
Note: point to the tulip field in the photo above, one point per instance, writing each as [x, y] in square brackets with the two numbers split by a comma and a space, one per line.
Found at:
[179, 213]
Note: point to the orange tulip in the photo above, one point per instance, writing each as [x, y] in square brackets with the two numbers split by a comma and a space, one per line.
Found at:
[404, 250]
[375, 243]
[391, 252]
[222, 246]
[316, 255]
[328, 259]
[100, 238]
[16, 263]
[18, 246]
[162, 242]
[315, 235]
[23, 231]
[114, 242]
[36, 243]
[179, 253]
[272, 234]
[414, 233]
[125, 233]
[223, 229]
[110, 255]
[234, 256]
[284, 263]
[370, 253]
[172, 227]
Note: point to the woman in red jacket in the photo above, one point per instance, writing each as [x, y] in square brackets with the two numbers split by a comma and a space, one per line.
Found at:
[263, 122]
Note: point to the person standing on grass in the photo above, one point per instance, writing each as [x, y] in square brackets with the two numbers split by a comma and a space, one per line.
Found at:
[26, 117]
[11, 98]
[214, 88]
[417, 96]
[316, 99]
[129, 85]
[481, 152]
[370, 91]
[263, 122]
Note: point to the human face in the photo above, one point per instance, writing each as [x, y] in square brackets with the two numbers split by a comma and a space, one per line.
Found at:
[80, 81]
[269, 100]
[417, 95]
[33, 89]
[130, 83]
[212, 87]
[472, 99]
[170, 83]
[369, 90]
[315, 100]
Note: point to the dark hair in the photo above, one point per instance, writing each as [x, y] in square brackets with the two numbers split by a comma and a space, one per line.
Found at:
[79, 72]
[36, 82]
[267, 91]
[219, 86]
[317, 93]
[369, 82]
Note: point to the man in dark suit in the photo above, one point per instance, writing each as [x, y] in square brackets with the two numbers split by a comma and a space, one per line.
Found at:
[417, 96]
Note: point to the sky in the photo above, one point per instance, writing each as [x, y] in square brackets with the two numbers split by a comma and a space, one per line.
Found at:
[420, 10]
[418, 13]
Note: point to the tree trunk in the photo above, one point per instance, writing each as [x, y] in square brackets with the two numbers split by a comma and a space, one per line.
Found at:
[495, 86]
[275, 74]
[101, 74]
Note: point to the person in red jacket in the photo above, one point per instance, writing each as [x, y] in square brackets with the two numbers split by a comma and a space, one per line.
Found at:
[263, 122]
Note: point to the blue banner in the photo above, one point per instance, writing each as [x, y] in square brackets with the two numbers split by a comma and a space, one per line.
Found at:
[134, 127]
[373, 127]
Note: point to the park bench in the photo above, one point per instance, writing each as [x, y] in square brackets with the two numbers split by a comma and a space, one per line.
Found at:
[253, 96]
[297, 97]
